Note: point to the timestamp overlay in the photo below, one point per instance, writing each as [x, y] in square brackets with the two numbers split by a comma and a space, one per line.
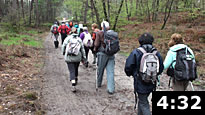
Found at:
[178, 102]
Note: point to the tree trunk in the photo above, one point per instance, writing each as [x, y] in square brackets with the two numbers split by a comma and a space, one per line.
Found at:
[116, 18]
[85, 12]
[30, 11]
[148, 12]
[108, 6]
[37, 14]
[96, 13]
[22, 8]
[128, 17]
[166, 17]
[131, 8]
[155, 8]
[137, 4]
[104, 10]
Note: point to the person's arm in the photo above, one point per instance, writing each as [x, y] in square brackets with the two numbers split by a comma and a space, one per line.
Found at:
[161, 66]
[51, 28]
[130, 65]
[68, 30]
[59, 29]
[97, 42]
[82, 36]
[168, 60]
[64, 45]
[83, 51]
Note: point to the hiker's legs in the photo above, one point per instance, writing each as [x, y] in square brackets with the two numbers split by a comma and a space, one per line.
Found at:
[76, 70]
[143, 105]
[102, 62]
[63, 36]
[180, 85]
[110, 74]
[56, 40]
[72, 70]
[86, 52]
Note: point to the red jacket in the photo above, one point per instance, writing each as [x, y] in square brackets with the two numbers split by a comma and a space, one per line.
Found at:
[63, 29]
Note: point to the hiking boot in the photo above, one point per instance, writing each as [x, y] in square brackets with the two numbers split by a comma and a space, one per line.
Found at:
[73, 89]
[110, 92]
[73, 82]
[76, 79]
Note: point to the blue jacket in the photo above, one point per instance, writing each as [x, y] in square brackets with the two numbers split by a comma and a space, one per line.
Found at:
[132, 67]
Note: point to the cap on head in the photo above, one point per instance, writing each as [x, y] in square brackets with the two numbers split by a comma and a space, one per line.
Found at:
[146, 38]
[107, 25]
[80, 25]
[85, 28]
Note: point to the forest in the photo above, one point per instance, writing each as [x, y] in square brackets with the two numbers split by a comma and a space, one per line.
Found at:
[25, 27]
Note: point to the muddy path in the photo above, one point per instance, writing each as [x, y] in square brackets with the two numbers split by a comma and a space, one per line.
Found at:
[59, 100]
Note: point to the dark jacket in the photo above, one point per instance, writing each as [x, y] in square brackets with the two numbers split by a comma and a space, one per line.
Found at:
[132, 67]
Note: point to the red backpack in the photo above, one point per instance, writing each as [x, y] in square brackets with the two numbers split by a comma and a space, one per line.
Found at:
[71, 24]
[94, 34]
[55, 30]
[63, 29]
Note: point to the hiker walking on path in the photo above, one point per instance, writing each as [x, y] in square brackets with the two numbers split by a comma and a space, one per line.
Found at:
[64, 31]
[95, 30]
[103, 59]
[145, 77]
[87, 41]
[74, 52]
[54, 31]
[181, 62]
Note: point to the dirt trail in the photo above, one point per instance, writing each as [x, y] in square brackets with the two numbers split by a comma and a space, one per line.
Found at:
[59, 100]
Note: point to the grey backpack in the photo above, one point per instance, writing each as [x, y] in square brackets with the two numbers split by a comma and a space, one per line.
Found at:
[73, 46]
[149, 66]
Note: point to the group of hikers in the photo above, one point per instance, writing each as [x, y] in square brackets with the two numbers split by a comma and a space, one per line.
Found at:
[144, 63]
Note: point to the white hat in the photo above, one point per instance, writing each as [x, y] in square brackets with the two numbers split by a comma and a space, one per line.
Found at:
[85, 28]
[107, 25]
[80, 25]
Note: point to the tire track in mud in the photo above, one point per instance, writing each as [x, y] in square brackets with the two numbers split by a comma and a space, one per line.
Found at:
[59, 100]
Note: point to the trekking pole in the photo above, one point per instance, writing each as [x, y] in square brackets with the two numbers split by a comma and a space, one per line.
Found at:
[96, 77]
[191, 85]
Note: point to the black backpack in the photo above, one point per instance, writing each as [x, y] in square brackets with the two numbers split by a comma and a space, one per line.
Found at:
[185, 68]
[111, 41]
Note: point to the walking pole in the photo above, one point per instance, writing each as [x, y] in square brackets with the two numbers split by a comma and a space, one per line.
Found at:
[191, 85]
[96, 77]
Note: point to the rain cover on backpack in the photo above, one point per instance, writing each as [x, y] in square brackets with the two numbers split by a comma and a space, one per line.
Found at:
[87, 41]
[149, 66]
[73, 46]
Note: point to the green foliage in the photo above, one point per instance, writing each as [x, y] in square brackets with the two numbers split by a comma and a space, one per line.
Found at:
[30, 95]
[28, 39]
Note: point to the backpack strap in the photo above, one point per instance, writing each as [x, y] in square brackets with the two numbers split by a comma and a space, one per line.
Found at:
[142, 50]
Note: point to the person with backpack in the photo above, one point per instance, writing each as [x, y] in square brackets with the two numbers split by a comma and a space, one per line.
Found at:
[95, 30]
[64, 31]
[181, 62]
[87, 41]
[54, 31]
[70, 24]
[106, 45]
[144, 64]
[74, 53]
